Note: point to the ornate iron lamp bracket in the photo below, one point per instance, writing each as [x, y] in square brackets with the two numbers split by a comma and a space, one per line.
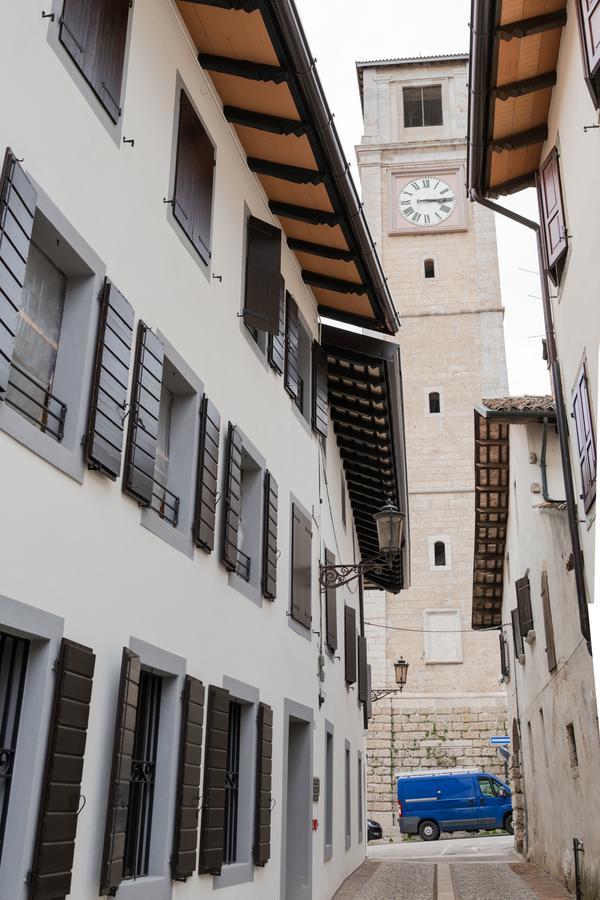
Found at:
[337, 576]
[379, 695]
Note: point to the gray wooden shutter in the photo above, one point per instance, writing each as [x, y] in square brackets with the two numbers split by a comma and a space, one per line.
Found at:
[207, 476]
[276, 343]
[142, 434]
[269, 556]
[331, 608]
[78, 22]
[350, 644]
[517, 636]
[264, 769]
[504, 665]
[215, 767]
[292, 348]
[18, 200]
[369, 703]
[194, 176]
[362, 669]
[320, 394]
[524, 605]
[183, 859]
[263, 276]
[50, 877]
[585, 438]
[552, 214]
[589, 30]
[232, 499]
[108, 398]
[111, 873]
[301, 567]
[548, 624]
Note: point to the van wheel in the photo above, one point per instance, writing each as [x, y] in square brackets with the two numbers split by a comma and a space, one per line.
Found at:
[429, 831]
[508, 824]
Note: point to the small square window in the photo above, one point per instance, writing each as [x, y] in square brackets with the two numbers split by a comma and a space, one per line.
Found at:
[440, 553]
[422, 106]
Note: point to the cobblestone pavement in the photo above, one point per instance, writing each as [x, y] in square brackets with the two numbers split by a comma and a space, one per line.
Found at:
[399, 880]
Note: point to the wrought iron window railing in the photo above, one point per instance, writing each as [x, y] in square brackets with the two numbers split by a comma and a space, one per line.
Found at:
[300, 398]
[13, 665]
[142, 778]
[165, 503]
[232, 783]
[35, 402]
[243, 565]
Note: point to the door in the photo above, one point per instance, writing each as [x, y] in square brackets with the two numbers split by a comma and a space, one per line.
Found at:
[491, 801]
[298, 839]
[456, 802]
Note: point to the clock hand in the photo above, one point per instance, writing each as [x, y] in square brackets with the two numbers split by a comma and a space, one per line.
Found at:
[435, 200]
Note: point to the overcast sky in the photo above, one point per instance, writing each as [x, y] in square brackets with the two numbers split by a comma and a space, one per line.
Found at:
[340, 32]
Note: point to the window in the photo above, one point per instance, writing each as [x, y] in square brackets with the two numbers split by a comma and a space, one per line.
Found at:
[548, 624]
[301, 566]
[359, 772]
[232, 782]
[262, 294]
[544, 741]
[348, 795]
[442, 636]
[94, 34]
[523, 590]
[350, 648]
[587, 14]
[13, 666]
[429, 268]
[531, 753]
[434, 402]
[194, 175]
[298, 359]
[439, 553]
[142, 777]
[489, 787]
[586, 443]
[422, 106]
[328, 791]
[343, 496]
[250, 506]
[517, 636]
[552, 216]
[572, 746]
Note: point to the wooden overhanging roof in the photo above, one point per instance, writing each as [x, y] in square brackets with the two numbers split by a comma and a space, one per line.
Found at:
[257, 56]
[514, 54]
[493, 419]
[365, 398]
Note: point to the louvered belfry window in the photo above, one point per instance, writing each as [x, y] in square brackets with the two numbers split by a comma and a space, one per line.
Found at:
[586, 443]
[94, 34]
[13, 666]
[422, 106]
[194, 176]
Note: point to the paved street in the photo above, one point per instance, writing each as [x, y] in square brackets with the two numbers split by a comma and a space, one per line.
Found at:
[481, 868]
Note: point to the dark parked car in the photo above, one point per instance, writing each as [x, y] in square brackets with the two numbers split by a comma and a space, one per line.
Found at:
[374, 830]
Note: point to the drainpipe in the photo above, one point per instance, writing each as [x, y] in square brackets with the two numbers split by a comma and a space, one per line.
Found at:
[543, 466]
[561, 412]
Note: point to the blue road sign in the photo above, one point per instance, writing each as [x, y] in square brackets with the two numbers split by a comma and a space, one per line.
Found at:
[499, 741]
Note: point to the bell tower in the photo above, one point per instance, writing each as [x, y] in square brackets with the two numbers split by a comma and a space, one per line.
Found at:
[440, 257]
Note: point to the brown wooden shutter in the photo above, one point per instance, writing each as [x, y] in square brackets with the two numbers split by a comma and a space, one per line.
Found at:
[552, 214]
[183, 859]
[263, 276]
[331, 608]
[517, 636]
[301, 567]
[292, 348]
[548, 624]
[269, 557]
[320, 394]
[194, 177]
[18, 200]
[50, 877]
[585, 438]
[504, 666]
[104, 438]
[363, 695]
[277, 341]
[111, 873]
[369, 703]
[215, 767]
[232, 499]
[79, 21]
[524, 605]
[588, 14]
[264, 768]
[350, 644]
[142, 434]
[207, 476]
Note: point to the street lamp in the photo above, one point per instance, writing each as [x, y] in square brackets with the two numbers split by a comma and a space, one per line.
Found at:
[390, 526]
[401, 672]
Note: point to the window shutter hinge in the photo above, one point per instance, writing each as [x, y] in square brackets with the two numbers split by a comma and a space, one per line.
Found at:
[55, 665]
[29, 877]
[52, 17]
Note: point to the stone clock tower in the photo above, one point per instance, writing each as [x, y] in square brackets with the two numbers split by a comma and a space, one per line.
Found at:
[440, 257]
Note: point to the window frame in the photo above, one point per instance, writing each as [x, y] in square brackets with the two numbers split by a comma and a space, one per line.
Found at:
[304, 631]
[422, 87]
[329, 779]
[347, 795]
[434, 389]
[75, 360]
[586, 441]
[445, 540]
[429, 616]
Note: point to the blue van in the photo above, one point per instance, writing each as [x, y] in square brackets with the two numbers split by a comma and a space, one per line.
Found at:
[430, 802]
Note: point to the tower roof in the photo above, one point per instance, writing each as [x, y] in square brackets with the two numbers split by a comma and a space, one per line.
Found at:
[435, 58]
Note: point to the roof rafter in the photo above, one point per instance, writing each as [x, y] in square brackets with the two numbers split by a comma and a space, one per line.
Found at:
[520, 139]
[304, 213]
[534, 25]
[242, 68]
[320, 250]
[295, 174]
[525, 86]
[235, 115]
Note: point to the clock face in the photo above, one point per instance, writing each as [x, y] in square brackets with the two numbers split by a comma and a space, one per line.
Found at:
[426, 201]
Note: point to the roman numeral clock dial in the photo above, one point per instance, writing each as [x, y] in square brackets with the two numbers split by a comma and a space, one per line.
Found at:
[426, 201]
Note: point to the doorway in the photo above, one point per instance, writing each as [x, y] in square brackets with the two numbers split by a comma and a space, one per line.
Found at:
[297, 867]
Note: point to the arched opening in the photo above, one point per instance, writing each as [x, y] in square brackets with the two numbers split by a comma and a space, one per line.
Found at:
[429, 268]
[434, 402]
[439, 553]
